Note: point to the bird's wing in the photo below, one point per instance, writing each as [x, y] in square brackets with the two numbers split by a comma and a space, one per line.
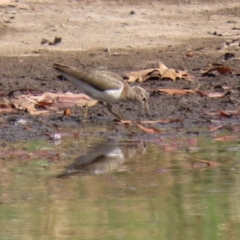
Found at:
[99, 79]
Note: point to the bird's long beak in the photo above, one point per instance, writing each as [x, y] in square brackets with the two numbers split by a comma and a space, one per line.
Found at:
[146, 108]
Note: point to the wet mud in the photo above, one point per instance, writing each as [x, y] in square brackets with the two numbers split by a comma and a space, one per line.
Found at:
[184, 113]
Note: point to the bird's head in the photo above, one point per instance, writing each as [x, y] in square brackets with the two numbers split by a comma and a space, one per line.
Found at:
[142, 96]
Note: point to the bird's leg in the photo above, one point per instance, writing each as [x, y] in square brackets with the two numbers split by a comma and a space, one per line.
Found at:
[109, 107]
[86, 108]
[146, 108]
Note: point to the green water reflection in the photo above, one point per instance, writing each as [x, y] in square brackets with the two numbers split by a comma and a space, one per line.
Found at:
[161, 192]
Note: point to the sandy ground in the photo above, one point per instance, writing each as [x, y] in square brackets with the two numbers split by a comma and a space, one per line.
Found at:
[85, 25]
[121, 36]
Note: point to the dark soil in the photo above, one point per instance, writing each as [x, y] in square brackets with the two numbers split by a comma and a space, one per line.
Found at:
[189, 110]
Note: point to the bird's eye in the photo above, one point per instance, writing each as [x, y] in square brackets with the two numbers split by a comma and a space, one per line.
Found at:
[144, 99]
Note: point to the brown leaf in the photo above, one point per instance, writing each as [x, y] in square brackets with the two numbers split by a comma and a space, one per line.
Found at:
[148, 121]
[123, 121]
[229, 113]
[216, 128]
[223, 113]
[213, 94]
[222, 69]
[192, 53]
[6, 107]
[174, 91]
[51, 101]
[74, 99]
[151, 130]
[161, 72]
[67, 112]
[7, 110]
[171, 73]
[166, 120]
[189, 54]
[143, 75]
[24, 103]
[45, 103]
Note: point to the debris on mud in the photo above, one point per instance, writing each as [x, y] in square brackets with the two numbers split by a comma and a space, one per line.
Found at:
[162, 72]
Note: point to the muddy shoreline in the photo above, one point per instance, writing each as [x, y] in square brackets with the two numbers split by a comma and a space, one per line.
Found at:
[121, 37]
[185, 113]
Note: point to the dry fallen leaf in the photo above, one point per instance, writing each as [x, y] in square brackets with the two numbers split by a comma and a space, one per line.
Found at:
[224, 70]
[67, 112]
[214, 94]
[119, 121]
[185, 91]
[213, 67]
[216, 128]
[189, 54]
[229, 113]
[174, 91]
[161, 72]
[6, 106]
[63, 98]
[24, 103]
[192, 53]
[223, 113]
[172, 73]
[142, 75]
[163, 121]
[50, 102]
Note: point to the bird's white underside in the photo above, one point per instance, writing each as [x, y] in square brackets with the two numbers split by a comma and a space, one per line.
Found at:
[117, 152]
[109, 96]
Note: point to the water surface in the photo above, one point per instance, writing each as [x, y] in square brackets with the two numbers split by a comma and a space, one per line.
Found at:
[93, 188]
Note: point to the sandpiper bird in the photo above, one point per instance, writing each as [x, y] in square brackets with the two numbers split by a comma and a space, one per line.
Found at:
[104, 86]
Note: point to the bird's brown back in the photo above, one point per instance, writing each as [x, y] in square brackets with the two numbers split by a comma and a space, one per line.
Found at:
[99, 79]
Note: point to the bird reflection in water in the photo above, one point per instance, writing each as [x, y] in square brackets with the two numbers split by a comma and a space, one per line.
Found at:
[105, 157]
